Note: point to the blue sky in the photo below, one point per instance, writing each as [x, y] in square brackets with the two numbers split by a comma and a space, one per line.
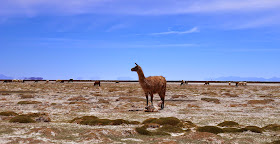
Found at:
[102, 39]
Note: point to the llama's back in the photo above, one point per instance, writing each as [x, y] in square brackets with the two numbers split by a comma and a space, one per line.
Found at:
[157, 84]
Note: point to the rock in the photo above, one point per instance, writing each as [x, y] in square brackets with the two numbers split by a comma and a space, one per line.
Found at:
[151, 109]
[43, 119]
[152, 125]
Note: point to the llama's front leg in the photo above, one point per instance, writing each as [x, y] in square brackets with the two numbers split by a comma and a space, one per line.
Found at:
[152, 96]
[147, 98]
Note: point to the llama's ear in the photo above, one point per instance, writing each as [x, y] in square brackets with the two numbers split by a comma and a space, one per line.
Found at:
[136, 64]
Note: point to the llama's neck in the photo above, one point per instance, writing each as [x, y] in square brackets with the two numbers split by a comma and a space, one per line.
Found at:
[141, 75]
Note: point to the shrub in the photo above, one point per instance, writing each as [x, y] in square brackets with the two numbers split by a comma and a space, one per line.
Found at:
[276, 142]
[273, 127]
[170, 128]
[265, 101]
[143, 131]
[232, 130]
[228, 124]
[150, 120]
[189, 124]
[24, 96]
[210, 129]
[214, 100]
[29, 102]
[93, 120]
[34, 114]
[119, 122]
[8, 113]
[164, 121]
[252, 129]
[97, 122]
[22, 119]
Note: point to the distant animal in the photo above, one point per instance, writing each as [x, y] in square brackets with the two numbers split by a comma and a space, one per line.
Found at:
[182, 82]
[47, 81]
[206, 83]
[70, 80]
[117, 82]
[236, 84]
[229, 83]
[242, 83]
[151, 85]
[6, 81]
[96, 83]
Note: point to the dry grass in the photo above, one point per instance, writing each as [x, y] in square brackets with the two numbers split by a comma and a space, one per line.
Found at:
[265, 101]
[25, 96]
[29, 102]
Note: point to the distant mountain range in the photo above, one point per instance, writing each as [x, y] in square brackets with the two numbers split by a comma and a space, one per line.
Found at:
[25, 78]
[5, 77]
[236, 78]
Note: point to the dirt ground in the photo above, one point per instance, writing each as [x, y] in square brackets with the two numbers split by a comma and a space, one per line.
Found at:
[251, 105]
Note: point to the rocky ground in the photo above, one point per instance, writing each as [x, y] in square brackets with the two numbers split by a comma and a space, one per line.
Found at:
[54, 113]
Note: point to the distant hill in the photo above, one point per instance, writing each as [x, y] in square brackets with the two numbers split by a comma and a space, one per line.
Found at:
[124, 78]
[5, 77]
[235, 78]
[33, 78]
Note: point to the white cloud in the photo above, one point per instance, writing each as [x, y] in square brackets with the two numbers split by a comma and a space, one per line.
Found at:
[115, 27]
[193, 30]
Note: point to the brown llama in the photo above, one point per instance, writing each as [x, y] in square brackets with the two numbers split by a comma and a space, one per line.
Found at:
[96, 83]
[182, 82]
[151, 85]
[206, 83]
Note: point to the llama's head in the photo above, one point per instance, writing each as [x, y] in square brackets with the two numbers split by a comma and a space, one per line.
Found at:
[136, 68]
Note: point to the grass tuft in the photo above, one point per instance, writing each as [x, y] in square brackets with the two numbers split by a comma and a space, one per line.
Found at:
[29, 102]
[164, 121]
[170, 128]
[8, 113]
[22, 119]
[228, 124]
[253, 129]
[272, 127]
[210, 129]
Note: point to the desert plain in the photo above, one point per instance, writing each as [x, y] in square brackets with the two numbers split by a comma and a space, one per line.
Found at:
[114, 113]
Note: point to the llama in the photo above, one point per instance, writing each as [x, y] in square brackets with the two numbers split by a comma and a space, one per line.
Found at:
[236, 84]
[229, 83]
[151, 85]
[96, 83]
[242, 83]
[182, 83]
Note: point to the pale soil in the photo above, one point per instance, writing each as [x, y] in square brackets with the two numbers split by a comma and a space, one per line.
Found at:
[113, 101]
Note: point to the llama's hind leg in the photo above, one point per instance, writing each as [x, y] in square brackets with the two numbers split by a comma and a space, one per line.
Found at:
[152, 97]
[162, 103]
[162, 96]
